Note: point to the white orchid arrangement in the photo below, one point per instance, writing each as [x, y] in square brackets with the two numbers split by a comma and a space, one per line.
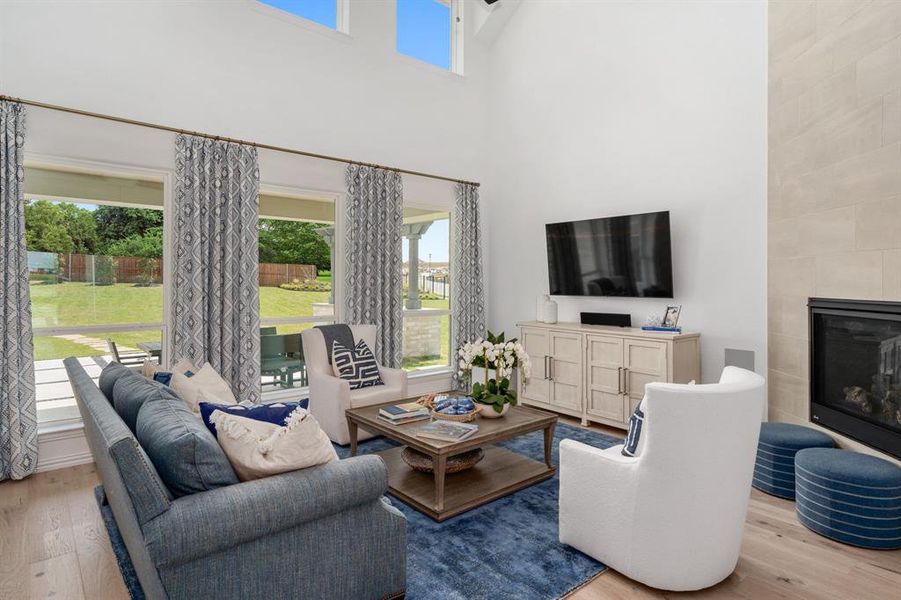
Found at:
[500, 355]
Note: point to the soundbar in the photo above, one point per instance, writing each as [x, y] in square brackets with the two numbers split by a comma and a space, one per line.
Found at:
[616, 319]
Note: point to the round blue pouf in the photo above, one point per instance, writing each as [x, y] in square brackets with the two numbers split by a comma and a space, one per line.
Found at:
[774, 470]
[849, 497]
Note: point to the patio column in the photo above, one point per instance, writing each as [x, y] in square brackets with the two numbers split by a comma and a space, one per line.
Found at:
[413, 302]
[413, 232]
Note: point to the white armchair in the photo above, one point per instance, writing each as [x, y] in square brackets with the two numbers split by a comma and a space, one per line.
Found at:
[330, 396]
[672, 516]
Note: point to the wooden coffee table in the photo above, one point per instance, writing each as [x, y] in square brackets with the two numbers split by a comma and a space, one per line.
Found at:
[441, 495]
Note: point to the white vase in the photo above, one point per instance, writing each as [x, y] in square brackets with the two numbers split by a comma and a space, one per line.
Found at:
[478, 375]
[550, 311]
[487, 411]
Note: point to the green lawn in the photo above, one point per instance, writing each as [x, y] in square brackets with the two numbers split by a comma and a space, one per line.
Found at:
[74, 304]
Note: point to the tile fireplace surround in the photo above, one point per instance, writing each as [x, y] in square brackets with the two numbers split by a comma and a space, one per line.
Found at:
[834, 199]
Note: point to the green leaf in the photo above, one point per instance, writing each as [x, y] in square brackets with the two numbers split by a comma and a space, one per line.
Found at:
[492, 386]
[499, 408]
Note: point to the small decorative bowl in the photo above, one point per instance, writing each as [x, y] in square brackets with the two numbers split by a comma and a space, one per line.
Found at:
[439, 404]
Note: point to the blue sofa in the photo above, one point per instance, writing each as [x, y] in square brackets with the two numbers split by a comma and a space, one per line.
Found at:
[324, 532]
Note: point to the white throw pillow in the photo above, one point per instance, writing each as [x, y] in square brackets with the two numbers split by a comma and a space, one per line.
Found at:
[206, 380]
[258, 449]
[183, 366]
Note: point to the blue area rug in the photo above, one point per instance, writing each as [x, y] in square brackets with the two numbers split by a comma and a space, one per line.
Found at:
[505, 549]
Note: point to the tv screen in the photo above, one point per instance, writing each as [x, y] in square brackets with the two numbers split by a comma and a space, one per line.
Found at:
[615, 256]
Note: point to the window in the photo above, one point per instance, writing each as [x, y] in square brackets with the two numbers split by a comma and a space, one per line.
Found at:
[324, 12]
[428, 30]
[426, 289]
[95, 263]
[297, 259]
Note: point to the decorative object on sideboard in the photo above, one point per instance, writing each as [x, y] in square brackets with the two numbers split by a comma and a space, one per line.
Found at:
[497, 358]
[539, 307]
[653, 320]
[671, 317]
[666, 324]
[550, 311]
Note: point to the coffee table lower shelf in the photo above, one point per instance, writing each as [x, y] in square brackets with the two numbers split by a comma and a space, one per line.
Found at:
[500, 473]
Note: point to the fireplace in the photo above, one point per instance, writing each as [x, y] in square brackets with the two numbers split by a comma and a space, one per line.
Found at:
[855, 370]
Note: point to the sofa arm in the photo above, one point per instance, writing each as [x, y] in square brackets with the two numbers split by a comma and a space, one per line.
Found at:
[208, 522]
[395, 378]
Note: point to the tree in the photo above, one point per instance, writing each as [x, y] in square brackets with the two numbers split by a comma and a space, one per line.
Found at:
[146, 245]
[293, 242]
[116, 223]
[60, 227]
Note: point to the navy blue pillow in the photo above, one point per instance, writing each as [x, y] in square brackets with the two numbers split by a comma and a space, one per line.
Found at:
[275, 413]
[635, 423]
[164, 377]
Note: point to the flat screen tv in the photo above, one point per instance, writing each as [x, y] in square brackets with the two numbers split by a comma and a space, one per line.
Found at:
[616, 256]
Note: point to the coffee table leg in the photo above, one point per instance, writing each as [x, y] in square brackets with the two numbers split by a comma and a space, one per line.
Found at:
[440, 466]
[549, 443]
[352, 427]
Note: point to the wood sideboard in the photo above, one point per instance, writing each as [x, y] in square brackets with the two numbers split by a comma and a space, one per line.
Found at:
[598, 373]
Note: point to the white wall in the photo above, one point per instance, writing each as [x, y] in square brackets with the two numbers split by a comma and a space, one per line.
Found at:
[241, 70]
[612, 108]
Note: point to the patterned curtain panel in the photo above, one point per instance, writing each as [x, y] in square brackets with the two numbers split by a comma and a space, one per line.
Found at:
[373, 257]
[18, 412]
[467, 288]
[216, 307]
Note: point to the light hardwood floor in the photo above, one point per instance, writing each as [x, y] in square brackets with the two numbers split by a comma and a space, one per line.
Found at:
[53, 544]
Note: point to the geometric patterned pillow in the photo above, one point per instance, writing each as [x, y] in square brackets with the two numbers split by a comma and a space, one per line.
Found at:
[630, 446]
[355, 365]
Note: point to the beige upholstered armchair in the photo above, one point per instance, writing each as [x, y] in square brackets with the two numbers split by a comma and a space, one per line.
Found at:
[330, 396]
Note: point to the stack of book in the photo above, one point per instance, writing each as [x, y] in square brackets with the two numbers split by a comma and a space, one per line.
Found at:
[398, 414]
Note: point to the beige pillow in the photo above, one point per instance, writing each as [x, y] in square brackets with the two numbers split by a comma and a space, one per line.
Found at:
[258, 449]
[184, 365]
[206, 385]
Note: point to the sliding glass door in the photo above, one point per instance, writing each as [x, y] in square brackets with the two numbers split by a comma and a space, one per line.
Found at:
[96, 276]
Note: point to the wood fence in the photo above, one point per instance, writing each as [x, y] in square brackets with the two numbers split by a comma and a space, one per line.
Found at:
[273, 274]
[133, 269]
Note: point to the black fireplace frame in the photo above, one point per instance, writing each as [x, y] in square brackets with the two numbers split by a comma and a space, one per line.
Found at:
[823, 415]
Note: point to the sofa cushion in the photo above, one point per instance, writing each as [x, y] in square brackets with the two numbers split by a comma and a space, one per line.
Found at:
[276, 413]
[182, 449]
[259, 449]
[356, 365]
[206, 379]
[108, 377]
[130, 393]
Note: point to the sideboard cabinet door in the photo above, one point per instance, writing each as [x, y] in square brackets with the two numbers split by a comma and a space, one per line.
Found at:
[538, 388]
[605, 374]
[566, 370]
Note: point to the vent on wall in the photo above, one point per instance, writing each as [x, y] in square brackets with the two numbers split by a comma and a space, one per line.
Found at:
[740, 358]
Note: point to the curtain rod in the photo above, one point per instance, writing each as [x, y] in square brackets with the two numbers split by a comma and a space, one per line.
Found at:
[96, 115]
